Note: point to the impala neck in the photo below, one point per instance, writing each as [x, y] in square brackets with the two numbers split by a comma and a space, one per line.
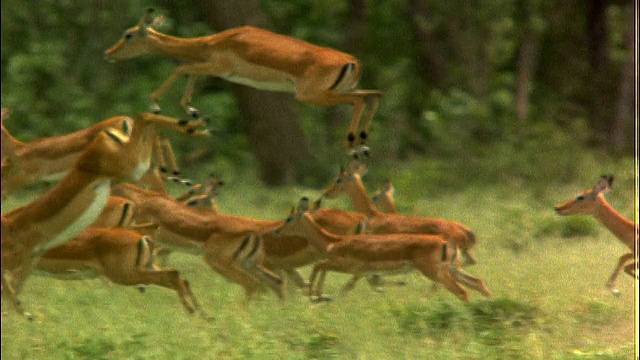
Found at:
[319, 237]
[616, 223]
[64, 211]
[186, 50]
[360, 200]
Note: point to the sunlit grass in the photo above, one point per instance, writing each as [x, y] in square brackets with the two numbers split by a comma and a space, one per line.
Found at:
[549, 301]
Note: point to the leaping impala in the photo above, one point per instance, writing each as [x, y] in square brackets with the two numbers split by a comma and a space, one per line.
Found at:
[349, 183]
[592, 202]
[260, 59]
[365, 254]
[50, 158]
[77, 200]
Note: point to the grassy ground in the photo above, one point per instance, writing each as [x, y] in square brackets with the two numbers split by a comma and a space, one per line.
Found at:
[547, 275]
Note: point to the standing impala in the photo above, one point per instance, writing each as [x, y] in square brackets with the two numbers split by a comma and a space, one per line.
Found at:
[592, 202]
[261, 59]
[349, 183]
[375, 253]
[77, 200]
[50, 158]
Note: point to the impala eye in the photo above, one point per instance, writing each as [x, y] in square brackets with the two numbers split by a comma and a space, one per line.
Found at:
[579, 197]
[128, 36]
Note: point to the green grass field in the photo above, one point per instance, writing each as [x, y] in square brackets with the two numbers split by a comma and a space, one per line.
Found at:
[547, 275]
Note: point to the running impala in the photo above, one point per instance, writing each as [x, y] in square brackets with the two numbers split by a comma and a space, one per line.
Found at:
[77, 200]
[349, 183]
[591, 202]
[365, 254]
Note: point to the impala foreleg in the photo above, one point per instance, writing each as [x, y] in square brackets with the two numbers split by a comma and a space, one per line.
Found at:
[629, 269]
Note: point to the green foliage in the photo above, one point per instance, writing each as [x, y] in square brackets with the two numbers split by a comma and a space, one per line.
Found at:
[55, 80]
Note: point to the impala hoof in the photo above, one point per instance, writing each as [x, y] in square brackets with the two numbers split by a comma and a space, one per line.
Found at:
[155, 108]
[321, 299]
[362, 152]
[193, 112]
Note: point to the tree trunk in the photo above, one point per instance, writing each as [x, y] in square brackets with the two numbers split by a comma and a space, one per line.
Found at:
[626, 99]
[526, 65]
[336, 116]
[602, 87]
[270, 120]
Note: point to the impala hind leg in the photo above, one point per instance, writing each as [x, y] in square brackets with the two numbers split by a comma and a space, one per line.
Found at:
[440, 274]
[170, 279]
[614, 276]
[252, 264]
[315, 295]
[371, 100]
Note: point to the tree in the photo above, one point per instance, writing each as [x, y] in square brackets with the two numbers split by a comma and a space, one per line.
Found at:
[270, 120]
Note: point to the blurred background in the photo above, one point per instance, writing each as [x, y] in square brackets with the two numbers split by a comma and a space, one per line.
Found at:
[474, 91]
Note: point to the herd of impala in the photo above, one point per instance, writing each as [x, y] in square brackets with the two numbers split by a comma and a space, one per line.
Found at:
[110, 214]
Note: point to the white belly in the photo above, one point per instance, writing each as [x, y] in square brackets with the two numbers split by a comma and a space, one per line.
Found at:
[285, 86]
[101, 193]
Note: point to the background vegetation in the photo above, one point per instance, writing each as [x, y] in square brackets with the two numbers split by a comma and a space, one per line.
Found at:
[493, 112]
[484, 87]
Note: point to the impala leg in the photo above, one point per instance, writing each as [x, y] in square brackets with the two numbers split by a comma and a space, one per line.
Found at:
[312, 279]
[294, 275]
[319, 289]
[621, 264]
[186, 98]
[234, 274]
[440, 273]
[252, 264]
[170, 279]
[371, 99]
[469, 259]
[167, 151]
[351, 284]
[470, 281]
[377, 282]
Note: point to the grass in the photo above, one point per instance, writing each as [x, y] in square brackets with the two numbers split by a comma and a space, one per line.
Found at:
[547, 275]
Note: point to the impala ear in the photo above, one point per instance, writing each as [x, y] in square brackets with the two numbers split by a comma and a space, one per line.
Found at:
[357, 168]
[604, 184]
[303, 204]
[148, 21]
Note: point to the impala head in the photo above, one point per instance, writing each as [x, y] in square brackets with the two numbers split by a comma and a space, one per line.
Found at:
[586, 202]
[205, 194]
[135, 41]
[293, 224]
[346, 178]
[385, 191]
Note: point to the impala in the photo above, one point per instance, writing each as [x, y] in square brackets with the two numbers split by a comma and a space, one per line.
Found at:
[349, 183]
[383, 198]
[218, 237]
[390, 253]
[203, 196]
[592, 202]
[50, 158]
[78, 199]
[260, 59]
[121, 255]
[181, 226]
